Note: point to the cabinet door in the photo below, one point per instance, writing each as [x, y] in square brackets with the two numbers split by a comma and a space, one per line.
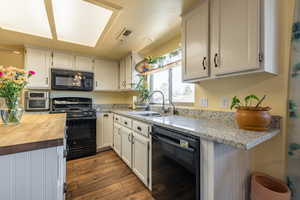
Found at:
[106, 75]
[108, 124]
[84, 64]
[38, 61]
[196, 43]
[140, 160]
[235, 33]
[122, 74]
[126, 150]
[117, 139]
[136, 58]
[63, 61]
[128, 71]
[99, 135]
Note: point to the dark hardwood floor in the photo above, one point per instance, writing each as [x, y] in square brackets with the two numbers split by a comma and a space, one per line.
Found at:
[103, 176]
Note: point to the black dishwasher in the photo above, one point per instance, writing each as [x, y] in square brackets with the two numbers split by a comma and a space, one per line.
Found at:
[175, 165]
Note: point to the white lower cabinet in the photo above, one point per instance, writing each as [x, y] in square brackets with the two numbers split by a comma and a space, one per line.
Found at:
[117, 139]
[105, 130]
[33, 175]
[140, 158]
[132, 144]
[126, 148]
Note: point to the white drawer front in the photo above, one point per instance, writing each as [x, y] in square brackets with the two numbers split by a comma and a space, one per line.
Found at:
[126, 122]
[141, 128]
[117, 118]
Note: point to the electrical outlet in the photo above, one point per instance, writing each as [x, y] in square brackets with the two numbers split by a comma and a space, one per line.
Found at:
[204, 102]
[225, 102]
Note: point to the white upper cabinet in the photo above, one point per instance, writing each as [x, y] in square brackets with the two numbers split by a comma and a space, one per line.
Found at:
[122, 79]
[69, 61]
[106, 75]
[242, 39]
[128, 74]
[83, 63]
[63, 61]
[39, 61]
[195, 37]
[235, 31]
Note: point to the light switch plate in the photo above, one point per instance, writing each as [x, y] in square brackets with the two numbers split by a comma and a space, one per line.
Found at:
[224, 102]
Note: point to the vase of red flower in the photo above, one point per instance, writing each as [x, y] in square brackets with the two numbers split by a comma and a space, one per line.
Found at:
[12, 82]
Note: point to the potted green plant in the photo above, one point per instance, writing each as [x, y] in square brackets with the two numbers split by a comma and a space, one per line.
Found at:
[250, 115]
[12, 82]
[143, 91]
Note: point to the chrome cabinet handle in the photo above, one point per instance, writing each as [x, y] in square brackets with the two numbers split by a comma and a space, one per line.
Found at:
[132, 141]
[215, 60]
[96, 83]
[129, 138]
[203, 63]
[105, 115]
[47, 80]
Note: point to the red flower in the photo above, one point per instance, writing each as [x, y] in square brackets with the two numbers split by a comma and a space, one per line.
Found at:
[31, 72]
[1, 74]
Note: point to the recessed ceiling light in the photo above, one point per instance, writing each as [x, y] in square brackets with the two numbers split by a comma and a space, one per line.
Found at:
[79, 21]
[26, 16]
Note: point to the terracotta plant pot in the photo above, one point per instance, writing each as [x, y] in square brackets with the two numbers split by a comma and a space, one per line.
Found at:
[254, 120]
[265, 187]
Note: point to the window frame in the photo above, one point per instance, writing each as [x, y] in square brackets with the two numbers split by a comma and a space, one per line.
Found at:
[170, 70]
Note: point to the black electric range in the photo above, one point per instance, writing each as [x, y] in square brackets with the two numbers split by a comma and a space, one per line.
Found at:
[81, 125]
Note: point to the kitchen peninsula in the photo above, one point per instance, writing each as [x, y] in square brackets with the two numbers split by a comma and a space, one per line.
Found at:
[32, 159]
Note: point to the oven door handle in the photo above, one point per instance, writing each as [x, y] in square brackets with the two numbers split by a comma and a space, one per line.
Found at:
[160, 139]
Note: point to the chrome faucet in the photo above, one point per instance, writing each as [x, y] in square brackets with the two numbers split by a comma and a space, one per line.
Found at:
[164, 110]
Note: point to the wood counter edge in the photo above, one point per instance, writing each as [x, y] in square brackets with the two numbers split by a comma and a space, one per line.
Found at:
[31, 146]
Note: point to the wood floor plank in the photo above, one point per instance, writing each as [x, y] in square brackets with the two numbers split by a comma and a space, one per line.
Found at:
[103, 177]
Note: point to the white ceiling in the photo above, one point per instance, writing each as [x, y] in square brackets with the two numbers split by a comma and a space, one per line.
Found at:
[151, 21]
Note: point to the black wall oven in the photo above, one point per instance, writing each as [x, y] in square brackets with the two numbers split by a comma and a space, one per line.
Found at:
[175, 165]
[71, 80]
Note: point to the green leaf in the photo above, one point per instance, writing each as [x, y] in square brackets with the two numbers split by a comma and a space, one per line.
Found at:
[291, 153]
[235, 102]
[294, 147]
[249, 98]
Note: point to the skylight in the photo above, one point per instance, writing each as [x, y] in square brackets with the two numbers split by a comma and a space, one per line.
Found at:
[79, 21]
[26, 16]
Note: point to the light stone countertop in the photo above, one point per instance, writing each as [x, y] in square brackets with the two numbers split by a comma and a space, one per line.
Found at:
[209, 129]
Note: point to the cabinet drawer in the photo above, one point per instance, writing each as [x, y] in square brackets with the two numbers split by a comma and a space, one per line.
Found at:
[117, 119]
[141, 128]
[126, 122]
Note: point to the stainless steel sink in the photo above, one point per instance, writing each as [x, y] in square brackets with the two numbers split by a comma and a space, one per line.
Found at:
[146, 113]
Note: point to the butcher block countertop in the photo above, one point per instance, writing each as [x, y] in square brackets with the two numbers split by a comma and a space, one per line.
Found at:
[36, 131]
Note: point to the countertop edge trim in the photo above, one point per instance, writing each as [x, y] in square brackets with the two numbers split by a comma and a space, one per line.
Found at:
[31, 146]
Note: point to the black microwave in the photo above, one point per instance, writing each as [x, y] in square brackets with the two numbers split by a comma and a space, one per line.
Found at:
[71, 80]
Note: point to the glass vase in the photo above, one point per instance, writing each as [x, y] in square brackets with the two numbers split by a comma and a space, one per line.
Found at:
[12, 114]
